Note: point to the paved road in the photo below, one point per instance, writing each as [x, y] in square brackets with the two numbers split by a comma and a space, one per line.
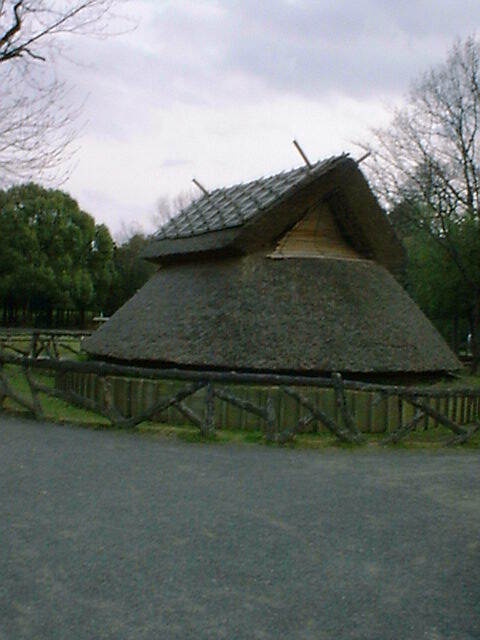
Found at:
[119, 536]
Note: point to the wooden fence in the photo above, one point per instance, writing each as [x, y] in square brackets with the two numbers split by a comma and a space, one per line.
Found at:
[38, 343]
[213, 399]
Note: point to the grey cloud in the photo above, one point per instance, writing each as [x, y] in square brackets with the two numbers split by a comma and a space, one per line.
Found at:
[219, 53]
[240, 51]
[213, 55]
[308, 47]
[170, 163]
[359, 48]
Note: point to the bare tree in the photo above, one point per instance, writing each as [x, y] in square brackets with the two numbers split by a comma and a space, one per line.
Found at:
[428, 160]
[37, 119]
[168, 208]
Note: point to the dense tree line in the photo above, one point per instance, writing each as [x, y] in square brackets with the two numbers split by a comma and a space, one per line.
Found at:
[433, 279]
[57, 267]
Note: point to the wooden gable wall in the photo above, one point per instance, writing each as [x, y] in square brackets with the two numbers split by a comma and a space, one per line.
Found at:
[316, 235]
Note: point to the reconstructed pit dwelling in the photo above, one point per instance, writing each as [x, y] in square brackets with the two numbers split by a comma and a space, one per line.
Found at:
[292, 273]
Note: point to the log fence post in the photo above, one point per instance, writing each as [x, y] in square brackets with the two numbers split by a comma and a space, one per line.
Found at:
[341, 402]
[36, 404]
[208, 424]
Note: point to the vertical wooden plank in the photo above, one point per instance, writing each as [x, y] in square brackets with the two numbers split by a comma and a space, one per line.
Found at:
[295, 411]
[387, 415]
[236, 412]
[287, 410]
[272, 421]
[426, 420]
[408, 412]
[437, 408]
[83, 383]
[462, 409]
[170, 415]
[222, 415]
[91, 386]
[117, 393]
[352, 406]
[219, 409]
[225, 409]
[355, 408]
[243, 392]
[86, 385]
[229, 410]
[469, 410]
[283, 415]
[254, 421]
[150, 395]
[378, 413]
[392, 416]
[400, 412]
[370, 417]
[135, 399]
[129, 390]
[98, 392]
[447, 405]
[320, 400]
[444, 405]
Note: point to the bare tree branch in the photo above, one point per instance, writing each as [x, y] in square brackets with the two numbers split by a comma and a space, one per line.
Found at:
[37, 115]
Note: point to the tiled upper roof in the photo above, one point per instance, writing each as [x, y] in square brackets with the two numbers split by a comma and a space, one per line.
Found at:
[234, 206]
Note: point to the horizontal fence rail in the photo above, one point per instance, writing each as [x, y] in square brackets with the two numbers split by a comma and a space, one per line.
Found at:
[38, 343]
[197, 397]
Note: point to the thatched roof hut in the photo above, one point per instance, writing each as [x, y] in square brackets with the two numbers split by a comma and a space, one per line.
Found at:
[289, 273]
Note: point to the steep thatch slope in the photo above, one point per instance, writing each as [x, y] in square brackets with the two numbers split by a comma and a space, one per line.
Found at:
[260, 314]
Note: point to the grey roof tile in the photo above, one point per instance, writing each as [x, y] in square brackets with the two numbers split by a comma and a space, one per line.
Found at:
[234, 206]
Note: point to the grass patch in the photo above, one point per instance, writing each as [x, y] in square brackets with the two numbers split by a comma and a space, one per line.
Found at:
[54, 409]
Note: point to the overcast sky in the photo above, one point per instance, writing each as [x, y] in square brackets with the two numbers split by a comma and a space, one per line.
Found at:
[217, 90]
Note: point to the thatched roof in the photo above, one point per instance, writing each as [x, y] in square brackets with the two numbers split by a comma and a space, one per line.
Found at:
[232, 291]
[255, 313]
[246, 217]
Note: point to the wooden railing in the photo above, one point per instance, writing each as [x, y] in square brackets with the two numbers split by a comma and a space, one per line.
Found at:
[38, 343]
[425, 403]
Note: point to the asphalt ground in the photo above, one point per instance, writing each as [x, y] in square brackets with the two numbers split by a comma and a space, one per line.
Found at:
[121, 536]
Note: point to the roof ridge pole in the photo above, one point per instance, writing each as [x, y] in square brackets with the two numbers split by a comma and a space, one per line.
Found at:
[201, 187]
[303, 154]
[364, 157]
